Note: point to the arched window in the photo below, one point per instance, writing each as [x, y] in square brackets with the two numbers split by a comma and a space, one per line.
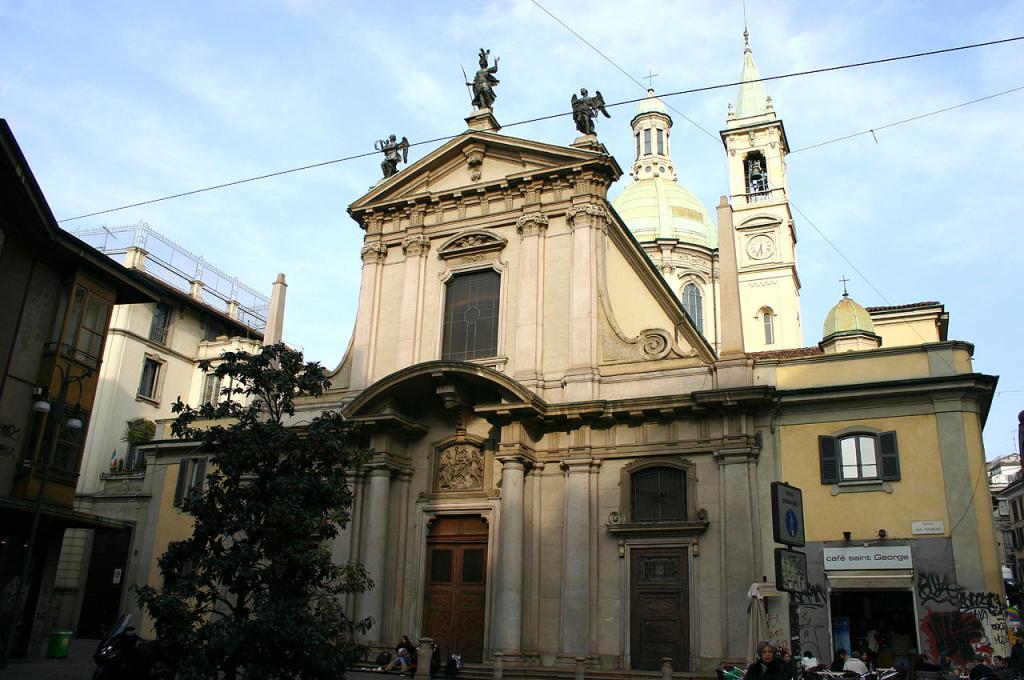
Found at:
[658, 495]
[769, 325]
[756, 171]
[693, 304]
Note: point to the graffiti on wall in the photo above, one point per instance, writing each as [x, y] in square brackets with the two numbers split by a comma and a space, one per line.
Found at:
[955, 635]
[974, 627]
[776, 632]
[9, 435]
[814, 629]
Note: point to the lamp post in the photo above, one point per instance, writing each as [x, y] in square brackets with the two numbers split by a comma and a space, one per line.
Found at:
[74, 423]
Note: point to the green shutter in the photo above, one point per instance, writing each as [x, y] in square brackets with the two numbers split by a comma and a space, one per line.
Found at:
[179, 490]
[890, 455]
[828, 453]
[200, 476]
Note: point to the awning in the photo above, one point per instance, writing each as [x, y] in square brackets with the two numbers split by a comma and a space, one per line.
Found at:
[19, 511]
[871, 579]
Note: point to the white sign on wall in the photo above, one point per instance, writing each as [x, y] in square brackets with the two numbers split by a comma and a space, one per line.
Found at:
[927, 526]
[880, 557]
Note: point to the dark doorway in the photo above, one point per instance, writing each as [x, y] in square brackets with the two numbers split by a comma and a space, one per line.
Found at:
[455, 592]
[660, 612]
[101, 603]
[882, 621]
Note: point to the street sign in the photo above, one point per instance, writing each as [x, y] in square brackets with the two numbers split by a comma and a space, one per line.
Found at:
[790, 570]
[787, 514]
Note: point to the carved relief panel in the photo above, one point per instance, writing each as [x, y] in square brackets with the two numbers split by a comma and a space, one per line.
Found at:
[461, 466]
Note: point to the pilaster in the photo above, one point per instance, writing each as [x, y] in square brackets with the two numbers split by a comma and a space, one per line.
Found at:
[530, 301]
[588, 222]
[363, 338]
[415, 247]
[740, 553]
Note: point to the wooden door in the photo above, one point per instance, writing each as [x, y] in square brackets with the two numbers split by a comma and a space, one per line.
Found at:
[659, 608]
[101, 603]
[456, 583]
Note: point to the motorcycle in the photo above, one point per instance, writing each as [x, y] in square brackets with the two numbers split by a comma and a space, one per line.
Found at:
[123, 655]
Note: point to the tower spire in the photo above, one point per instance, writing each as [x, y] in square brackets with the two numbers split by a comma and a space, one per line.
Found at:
[751, 100]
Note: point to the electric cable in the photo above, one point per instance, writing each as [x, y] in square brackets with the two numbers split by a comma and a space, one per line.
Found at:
[907, 120]
[706, 88]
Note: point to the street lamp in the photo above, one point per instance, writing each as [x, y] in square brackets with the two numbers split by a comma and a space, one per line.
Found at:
[74, 423]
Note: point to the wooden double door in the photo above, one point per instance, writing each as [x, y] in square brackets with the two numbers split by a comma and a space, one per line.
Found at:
[659, 613]
[456, 585]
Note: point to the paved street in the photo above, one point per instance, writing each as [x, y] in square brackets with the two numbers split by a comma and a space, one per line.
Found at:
[79, 666]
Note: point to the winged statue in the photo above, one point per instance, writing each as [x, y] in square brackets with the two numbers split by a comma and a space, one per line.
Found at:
[395, 152]
[585, 109]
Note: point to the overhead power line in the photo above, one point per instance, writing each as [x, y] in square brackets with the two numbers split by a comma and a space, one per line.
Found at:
[706, 88]
[907, 120]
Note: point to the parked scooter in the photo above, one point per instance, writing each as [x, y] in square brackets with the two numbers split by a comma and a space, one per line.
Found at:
[123, 655]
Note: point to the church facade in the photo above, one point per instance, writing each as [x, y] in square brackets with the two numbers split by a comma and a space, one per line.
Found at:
[577, 408]
[572, 459]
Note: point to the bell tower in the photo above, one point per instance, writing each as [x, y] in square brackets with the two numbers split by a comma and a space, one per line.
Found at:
[765, 236]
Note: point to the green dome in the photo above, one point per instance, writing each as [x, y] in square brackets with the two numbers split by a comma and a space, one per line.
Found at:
[658, 207]
[847, 317]
[650, 104]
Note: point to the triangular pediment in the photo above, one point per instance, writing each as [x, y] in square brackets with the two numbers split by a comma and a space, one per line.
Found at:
[474, 161]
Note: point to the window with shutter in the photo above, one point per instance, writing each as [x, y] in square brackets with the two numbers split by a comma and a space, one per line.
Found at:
[859, 456]
[179, 489]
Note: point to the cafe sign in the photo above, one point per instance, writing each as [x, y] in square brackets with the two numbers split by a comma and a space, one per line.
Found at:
[879, 557]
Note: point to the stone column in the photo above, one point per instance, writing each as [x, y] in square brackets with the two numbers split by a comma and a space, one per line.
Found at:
[576, 558]
[374, 254]
[415, 248]
[374, 548]
[587, 221]
[530, 301]
[509, 584]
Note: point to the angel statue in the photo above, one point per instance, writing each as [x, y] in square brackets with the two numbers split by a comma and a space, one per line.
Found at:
[394, 153]
[484, 82]
[584, 110]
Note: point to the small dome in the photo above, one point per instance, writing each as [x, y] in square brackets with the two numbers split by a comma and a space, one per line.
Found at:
[658, 207]
[847, 317]
[651, 104]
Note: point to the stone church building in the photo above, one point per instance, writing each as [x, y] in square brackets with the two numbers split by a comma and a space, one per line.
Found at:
[576, 409]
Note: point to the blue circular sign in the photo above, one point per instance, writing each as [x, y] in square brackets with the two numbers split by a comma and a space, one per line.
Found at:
[792, 526]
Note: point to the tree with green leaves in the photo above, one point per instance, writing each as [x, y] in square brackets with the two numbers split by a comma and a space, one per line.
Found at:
[254, 593]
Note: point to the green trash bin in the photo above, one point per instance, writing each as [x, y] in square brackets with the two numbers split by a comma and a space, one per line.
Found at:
[60, 641]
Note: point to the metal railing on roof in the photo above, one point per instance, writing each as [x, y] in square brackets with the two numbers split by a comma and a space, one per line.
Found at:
[180, 268]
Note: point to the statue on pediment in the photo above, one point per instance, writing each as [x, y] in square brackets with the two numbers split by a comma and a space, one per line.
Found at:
[484, 82]
[585, 109]
[395, 152]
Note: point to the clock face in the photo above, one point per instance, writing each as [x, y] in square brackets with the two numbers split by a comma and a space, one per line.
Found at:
[760, 247]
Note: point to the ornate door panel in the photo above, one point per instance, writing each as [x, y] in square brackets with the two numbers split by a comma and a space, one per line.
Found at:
[454, 596]
[659, 612]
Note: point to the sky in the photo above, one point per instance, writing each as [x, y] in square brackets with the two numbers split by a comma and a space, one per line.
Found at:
[117, 102]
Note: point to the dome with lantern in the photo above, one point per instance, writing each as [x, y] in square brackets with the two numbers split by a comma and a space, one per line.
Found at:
[655, 205]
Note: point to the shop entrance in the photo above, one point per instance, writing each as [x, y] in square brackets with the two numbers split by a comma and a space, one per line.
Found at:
[880, 620]
[453, 610]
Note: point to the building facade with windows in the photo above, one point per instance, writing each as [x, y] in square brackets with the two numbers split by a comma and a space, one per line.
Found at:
[150, 361]
[58, 293]
[573, 451]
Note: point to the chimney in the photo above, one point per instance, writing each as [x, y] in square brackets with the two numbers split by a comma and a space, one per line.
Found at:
[274, 331]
